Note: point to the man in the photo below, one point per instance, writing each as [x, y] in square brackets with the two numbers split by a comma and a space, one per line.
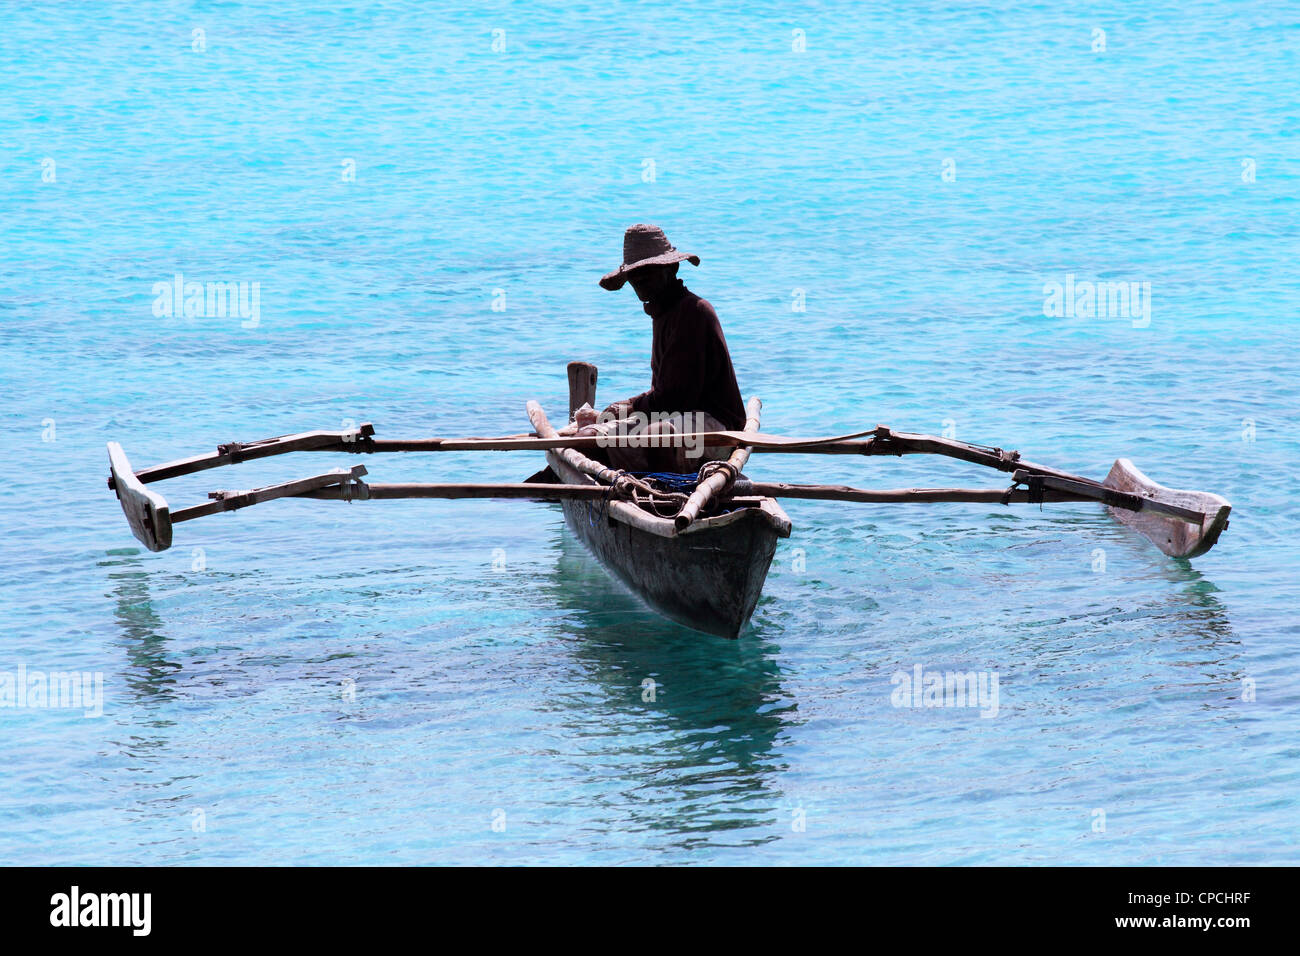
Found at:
[692, 382]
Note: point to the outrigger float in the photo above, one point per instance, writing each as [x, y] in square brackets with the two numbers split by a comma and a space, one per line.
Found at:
[696, 551]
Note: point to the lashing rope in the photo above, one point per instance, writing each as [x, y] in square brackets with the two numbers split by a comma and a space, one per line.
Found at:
[709, 468]
[655, 491]
[1034, 487]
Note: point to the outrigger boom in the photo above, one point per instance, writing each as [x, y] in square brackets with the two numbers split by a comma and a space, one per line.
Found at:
[1182, 524]
[1125, 489]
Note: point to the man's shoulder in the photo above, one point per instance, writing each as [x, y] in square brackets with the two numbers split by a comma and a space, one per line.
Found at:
[698, 304]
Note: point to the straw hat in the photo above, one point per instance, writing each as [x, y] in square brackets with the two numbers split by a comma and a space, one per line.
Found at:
[645, 245]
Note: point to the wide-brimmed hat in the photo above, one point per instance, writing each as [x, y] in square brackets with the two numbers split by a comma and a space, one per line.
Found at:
[645, 245]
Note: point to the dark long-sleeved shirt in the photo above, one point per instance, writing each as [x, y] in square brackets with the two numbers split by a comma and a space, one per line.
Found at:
[690, 367]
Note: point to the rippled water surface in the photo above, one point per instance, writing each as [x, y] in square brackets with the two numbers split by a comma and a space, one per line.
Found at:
[415, 682]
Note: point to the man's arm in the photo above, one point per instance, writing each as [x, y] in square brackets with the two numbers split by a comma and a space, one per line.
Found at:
[619, 409]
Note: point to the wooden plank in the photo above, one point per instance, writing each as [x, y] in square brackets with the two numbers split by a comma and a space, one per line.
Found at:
[146, 511]
[1176, 538]
[582, 386]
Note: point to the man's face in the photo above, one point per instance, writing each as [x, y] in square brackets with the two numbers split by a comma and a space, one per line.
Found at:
[648, 281]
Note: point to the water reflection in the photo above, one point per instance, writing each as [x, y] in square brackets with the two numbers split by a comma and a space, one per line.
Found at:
[1199, 614]
[1200, 593]
[151, 673]
[702, 756]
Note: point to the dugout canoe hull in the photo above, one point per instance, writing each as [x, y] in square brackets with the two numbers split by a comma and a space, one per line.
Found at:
[708, 578]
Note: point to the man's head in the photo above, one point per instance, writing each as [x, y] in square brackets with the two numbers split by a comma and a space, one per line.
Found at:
[646, 247]
[651, 282]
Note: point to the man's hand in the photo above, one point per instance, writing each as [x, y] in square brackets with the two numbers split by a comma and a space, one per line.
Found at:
[618, 410]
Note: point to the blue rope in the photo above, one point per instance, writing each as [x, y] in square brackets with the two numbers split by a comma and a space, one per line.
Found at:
[668, 480]
[671, 481]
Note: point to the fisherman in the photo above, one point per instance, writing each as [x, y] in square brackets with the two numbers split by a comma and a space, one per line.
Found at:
[692, 383]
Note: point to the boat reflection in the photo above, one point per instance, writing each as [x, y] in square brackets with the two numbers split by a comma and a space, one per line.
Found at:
[151, 672]
[701, 716]
[1201, 617]
[1204, 611]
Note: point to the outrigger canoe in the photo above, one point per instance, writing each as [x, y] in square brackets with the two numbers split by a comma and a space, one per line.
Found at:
[699, 556]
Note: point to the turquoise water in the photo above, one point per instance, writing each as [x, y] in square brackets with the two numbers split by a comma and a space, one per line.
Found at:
[314, 682]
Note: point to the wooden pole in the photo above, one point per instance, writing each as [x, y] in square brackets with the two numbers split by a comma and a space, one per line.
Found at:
[361, 441]
[1118, 498]
[544, 430]
[233, 500]
[771, 489]
[520, 490]
[231, 453]
[628, 512]
[712, 486]
[883, 441]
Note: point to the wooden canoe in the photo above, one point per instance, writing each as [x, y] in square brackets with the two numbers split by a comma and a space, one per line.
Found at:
[705, 564]
[707, 577]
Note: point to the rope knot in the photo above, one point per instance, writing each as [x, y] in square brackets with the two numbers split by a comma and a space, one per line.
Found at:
[710, 468]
